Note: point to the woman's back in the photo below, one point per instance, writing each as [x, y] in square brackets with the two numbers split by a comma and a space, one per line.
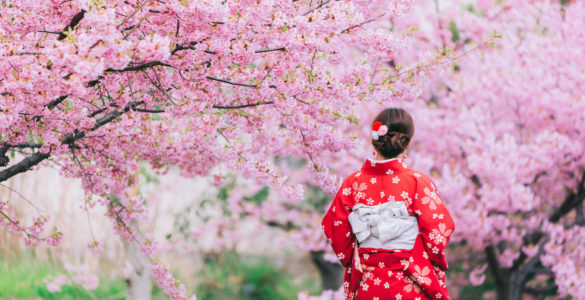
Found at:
[389, 227]
[384, 181]
[382, 216]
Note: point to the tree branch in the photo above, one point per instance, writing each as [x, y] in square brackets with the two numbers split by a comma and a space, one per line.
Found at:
[539, 291]
[154, 111]
[243, 105]
[529, 239]
[26, 145]
[288, 226]
[140, 67]
[23, 165]
[494, 265]
[232, 83]
[133, 13]
[30, 161]
[56, 102]
[316, 7]
[270, 50]
[346, 30]
[189, 46]
[579, 218]
[573, 200]
[76, 19]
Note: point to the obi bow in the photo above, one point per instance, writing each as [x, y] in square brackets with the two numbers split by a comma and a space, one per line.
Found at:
[385, 222]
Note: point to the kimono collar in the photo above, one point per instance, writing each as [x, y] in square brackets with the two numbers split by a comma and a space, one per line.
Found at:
[384, 167]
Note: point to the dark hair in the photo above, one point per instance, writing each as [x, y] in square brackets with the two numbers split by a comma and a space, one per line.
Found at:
[400, 132]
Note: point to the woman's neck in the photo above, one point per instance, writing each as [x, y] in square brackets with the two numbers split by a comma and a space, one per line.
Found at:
[380, 157]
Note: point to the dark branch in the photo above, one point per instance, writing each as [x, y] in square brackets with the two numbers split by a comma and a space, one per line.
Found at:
[55, 102]
[270, 50]
[346, 30]
[189, 46]
[71, 138]
[154, 111]
[140, 67]
[531, 267]
[76, 19]
[95, 81]
[579, 218]
[494, 265]
[26, 145]
[529, 239]
[232, 83]
[243, 105]
[316, 7]
[23, 165]
[50, 32]
[539, 291]
[30, 161]
[288, 226]
[99, 111]
[570, 202]
[180, 47]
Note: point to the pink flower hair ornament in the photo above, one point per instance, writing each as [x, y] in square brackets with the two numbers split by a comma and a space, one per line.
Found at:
[378, 130]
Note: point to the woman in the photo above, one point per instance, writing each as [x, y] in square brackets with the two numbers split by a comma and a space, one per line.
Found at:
[387, 224]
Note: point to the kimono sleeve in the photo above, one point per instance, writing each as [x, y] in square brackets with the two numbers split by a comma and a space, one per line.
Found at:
[336, 224]
[434, 220]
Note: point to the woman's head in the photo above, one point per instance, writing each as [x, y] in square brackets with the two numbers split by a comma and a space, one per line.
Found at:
[400, 132]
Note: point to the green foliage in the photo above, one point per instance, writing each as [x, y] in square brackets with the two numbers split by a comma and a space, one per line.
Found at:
[454, 32]
[315, 198]
[470, 292]
[149, 176]
[353, 119]
[259, 197]
[24, 278]
[232, 277]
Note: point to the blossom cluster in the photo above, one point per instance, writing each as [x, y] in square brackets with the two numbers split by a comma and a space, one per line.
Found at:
[99, 88]
[78, 274]
[499, 131]
[166, 281]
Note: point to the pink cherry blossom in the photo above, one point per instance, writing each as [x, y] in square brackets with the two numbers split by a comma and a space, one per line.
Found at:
[283, 92]
[54, 285]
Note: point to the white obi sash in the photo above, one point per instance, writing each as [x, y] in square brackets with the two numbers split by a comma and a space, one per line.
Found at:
[385, 226]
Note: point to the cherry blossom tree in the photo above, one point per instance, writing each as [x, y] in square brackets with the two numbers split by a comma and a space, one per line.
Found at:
[502, 134]
[97, 88]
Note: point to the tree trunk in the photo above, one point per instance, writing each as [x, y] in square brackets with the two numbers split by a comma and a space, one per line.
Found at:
[511, 287]
[138, 283]
[509, 281]
[331, 273]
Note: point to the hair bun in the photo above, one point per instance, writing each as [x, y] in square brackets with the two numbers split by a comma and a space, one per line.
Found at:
[398, 140]
[400, 132]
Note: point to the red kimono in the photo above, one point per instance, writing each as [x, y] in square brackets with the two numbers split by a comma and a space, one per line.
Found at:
[399, 274]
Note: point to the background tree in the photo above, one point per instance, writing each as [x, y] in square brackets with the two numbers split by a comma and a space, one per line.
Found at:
[503, 133]
[500, 131]
[96, 88]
